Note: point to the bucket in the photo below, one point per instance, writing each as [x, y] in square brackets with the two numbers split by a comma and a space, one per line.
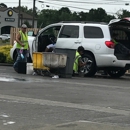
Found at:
[22, 67]
[29, 69]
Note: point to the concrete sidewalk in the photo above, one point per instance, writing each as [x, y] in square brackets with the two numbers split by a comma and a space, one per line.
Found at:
[84, 125]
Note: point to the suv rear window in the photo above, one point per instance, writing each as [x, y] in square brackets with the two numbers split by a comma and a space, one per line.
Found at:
[93, 32]
[69, 31]
[121, 35]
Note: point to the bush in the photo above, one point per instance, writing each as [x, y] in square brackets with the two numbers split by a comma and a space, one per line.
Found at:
[2, 57]
[5, 54]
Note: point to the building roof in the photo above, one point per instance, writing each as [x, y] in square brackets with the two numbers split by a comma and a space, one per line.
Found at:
[25, 15]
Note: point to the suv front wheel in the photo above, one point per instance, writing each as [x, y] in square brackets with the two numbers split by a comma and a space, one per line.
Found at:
[116, 73]
[90, 68]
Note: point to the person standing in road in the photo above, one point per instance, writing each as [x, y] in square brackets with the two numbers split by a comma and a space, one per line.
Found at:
[22, 46]
[78, 63]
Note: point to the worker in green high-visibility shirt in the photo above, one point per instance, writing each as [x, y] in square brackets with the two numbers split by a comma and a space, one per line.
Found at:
[22, 46]
[78, 63]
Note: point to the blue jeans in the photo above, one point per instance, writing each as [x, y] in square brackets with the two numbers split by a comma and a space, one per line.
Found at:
[19, 58]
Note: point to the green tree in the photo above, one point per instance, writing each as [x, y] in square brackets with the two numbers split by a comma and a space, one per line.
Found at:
[122, 14]
[64, 10]
[109, 17]
[28, 11]
[64, 14]
[97, 15]
[83, 16]
[27, 23]
[75, 16]
[47, 17]
[2, 5]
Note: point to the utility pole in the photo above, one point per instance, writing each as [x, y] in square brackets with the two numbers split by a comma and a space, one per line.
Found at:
[34, 1]
[19, 13]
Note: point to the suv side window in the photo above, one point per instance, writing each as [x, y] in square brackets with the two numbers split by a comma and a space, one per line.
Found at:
[51, 31]
[93, 32]
[69, 31]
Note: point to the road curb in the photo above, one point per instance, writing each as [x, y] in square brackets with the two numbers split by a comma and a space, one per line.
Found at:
[5, 64]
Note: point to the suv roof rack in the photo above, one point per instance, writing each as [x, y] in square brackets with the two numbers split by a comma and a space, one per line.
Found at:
[83, 22]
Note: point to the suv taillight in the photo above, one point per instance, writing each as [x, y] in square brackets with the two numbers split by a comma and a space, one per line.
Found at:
[109, 44]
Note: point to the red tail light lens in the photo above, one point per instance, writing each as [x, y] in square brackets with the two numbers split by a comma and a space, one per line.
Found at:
[109, 44]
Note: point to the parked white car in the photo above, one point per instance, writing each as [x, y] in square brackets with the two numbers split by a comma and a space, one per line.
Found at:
[95, 38]
[5, 37]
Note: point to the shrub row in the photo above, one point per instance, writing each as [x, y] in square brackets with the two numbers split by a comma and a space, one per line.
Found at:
[5, 54]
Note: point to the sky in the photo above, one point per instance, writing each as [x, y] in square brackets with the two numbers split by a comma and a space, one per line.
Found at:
[110, 6]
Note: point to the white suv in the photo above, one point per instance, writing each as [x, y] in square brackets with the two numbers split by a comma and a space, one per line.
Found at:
[95, 38]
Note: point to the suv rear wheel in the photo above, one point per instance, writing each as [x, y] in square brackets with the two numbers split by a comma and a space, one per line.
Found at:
[116, 73]
[90, 68]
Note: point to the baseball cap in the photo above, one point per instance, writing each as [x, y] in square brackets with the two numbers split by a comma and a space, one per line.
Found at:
[24, 26]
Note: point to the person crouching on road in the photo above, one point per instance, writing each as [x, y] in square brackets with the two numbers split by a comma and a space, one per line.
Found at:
[78, 63]
[22, 46]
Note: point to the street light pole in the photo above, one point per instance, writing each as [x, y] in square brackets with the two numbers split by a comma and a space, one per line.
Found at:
[19, 13]
[34, 1]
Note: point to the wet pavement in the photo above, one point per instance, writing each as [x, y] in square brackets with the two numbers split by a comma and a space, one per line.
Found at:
[32, 102]
[11, 79]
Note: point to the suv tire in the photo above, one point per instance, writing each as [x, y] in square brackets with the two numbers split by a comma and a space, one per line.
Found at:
[90, 68]
[116, 73]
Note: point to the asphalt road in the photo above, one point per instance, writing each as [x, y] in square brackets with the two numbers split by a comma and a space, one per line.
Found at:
[30, 102]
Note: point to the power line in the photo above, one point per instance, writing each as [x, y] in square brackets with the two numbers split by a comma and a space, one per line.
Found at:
[76, 7]
[64, 5]
[67, 6]
[16, 2]
[93, 2]
[83, 2]
[67, 3]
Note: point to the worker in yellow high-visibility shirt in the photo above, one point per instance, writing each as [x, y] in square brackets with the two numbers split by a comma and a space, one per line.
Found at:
[78, 63]
[22, 46]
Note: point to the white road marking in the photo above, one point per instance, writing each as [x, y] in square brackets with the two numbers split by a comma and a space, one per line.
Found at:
[5, 122]
[88, 125]
[4, 116]
[12, 79]
[94, 85]
[9, 123]
[65, 104]
[6, 79]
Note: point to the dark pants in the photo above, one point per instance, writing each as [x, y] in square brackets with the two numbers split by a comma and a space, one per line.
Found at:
[19, 58]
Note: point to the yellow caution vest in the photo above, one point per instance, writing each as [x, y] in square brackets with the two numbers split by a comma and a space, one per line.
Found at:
[24, 40]
[76, 65]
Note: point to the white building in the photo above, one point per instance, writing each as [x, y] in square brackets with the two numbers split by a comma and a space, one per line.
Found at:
[9, 18]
